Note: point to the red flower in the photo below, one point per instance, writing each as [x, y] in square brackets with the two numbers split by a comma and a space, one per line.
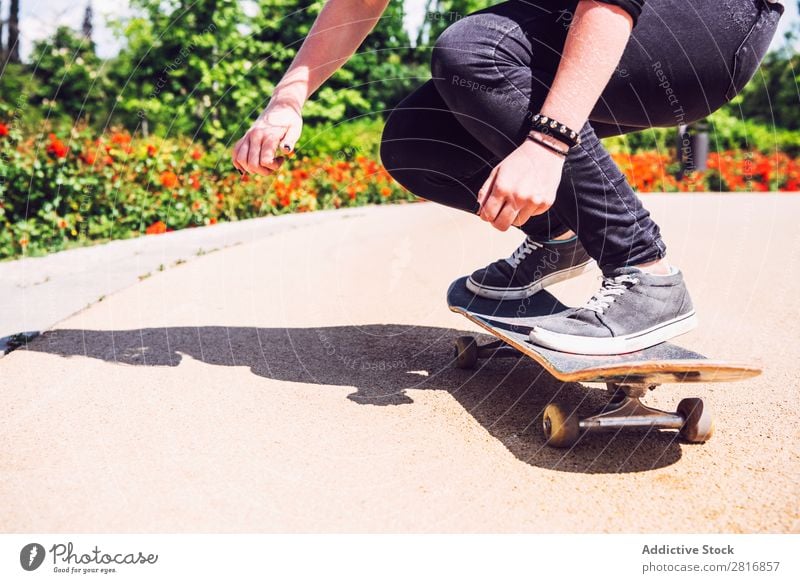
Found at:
[119, 138]
[56, 147]
[156, 228]
[212, 221]
[89, 157]
[151, 150]
[3, 129]
[169, 179]
[197, 154]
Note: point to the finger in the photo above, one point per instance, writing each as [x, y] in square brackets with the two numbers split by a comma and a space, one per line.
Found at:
[521, 219]
[505, 217]
[254, 152]
[254, 158]
[273, 167]
[486, 190]
[539, 209]
[289, 141]
[493, 205]
[269, 142]
[242, 152]
[524, 215]
[235, 155]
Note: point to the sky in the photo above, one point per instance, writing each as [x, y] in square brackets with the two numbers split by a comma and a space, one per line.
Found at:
[39, 18]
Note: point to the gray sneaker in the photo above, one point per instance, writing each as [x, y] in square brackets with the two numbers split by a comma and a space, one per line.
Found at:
[531, 268]
[633, 310]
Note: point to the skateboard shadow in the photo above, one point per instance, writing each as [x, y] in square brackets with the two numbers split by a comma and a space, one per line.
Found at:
[386, 364]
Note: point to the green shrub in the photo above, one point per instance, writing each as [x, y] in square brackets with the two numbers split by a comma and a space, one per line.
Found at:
[57, 192]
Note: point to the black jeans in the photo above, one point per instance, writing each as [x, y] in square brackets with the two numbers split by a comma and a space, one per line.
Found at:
[492, 70]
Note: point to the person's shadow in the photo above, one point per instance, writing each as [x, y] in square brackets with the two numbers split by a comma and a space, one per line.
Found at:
[386, 364]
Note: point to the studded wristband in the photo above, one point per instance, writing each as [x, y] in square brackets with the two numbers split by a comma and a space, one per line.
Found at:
[555, 129]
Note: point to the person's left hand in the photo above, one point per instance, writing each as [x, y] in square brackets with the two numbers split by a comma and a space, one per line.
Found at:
[523, 185]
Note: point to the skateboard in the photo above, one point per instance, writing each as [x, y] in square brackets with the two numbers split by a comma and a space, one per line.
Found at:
[628, 377]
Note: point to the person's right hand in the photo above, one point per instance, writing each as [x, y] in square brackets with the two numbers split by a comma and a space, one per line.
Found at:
[279, 126]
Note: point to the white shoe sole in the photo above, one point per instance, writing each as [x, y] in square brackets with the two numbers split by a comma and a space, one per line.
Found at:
[519, 293]
[617, 344]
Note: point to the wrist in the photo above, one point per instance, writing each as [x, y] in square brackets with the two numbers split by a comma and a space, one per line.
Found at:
[563, 115]
[283, 97]
[550, 141]
[531, 147]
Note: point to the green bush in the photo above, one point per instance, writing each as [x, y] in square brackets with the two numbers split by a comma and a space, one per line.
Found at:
[56, 192]
[726, 132]
[360, 136]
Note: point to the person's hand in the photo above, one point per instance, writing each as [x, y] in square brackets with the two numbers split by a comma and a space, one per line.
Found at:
[523, 185]
[278, 127]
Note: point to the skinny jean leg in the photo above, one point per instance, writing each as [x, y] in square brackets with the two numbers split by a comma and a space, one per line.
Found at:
[492, 70]
[427, 150]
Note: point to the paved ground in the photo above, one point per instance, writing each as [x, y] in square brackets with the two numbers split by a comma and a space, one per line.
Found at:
[37, 292]
[303, 382]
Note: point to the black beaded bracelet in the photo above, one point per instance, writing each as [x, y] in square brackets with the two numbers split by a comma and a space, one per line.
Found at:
[550, 147]
[555, 129]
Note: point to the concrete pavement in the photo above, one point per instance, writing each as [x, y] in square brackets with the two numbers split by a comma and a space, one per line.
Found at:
[304, 382]
[37, 292]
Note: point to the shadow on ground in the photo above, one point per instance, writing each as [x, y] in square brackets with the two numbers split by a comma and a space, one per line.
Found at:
[385, 363]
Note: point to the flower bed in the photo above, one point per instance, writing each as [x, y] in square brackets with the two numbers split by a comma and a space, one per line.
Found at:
[727, 171]
[57, 191]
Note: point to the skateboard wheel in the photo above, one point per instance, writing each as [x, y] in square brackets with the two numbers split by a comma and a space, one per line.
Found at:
[561, 429]
[698, 425]
[466, 352]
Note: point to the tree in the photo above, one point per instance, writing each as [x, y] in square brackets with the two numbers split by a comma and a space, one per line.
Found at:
[88, 17]
[183, 66]
[771, 96]
[385, 67]
[68, 74]
[13, 32]
[2, 26]
[206, 68]
[439, 14]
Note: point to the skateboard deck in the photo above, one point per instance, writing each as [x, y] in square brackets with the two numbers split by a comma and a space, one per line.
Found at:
[512, 320]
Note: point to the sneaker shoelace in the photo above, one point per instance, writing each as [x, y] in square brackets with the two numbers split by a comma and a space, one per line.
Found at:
[528, 246]
[611, 289]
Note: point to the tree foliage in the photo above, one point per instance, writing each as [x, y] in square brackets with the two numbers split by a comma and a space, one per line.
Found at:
[771, 97]
[67, 76]
[205, 67]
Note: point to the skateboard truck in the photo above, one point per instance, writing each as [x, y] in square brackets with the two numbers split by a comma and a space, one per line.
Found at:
[468, 351]
[624, 411]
